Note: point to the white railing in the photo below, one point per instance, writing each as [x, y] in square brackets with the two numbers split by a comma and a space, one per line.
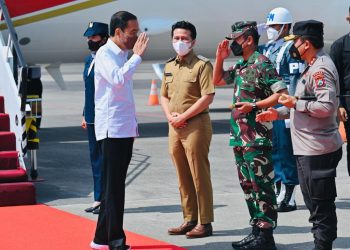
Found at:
[13, 80]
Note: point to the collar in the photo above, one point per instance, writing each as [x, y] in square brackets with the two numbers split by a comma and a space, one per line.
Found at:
[93, 55]
[187, 59]
[252, 58]
[115, 48]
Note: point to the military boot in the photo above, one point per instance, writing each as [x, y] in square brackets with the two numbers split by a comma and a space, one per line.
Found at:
[264, 241]
[288, 203]
[248, 239]
[322, 245]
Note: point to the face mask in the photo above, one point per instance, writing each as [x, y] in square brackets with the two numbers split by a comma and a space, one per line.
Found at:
[182, 48]
[94, 46]
[294, 52]
[273, 34]
[236, 48]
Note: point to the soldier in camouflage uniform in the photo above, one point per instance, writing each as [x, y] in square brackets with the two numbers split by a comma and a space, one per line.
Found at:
[257, 86]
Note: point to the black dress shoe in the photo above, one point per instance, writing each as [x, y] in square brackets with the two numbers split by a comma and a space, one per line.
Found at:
[91, 209]
[96, 210]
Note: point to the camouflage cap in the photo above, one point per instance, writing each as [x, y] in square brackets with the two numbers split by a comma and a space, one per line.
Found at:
[239, 28]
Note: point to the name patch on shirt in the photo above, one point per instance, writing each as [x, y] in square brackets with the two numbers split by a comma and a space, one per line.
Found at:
[319, 79]
[168, 74]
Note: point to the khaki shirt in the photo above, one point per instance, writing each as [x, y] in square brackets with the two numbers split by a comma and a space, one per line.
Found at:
[314, 126]
[184, 82]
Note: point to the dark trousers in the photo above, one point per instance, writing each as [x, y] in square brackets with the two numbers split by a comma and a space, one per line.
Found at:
[117, 153]
[96, 161]
[347, 132]
[317, 182]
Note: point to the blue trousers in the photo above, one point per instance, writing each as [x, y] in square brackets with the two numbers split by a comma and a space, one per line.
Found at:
[96, 161]
[284, 162]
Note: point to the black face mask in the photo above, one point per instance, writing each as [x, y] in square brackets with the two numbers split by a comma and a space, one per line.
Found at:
[294, 52]
[94, 46]
[236, 48]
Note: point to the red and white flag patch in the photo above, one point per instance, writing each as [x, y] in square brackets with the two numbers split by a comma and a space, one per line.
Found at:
[319, 79]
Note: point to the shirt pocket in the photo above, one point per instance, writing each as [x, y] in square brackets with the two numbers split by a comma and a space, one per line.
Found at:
[190, 84]
[168, 81]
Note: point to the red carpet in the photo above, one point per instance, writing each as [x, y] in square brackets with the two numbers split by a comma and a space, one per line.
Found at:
[41, 227]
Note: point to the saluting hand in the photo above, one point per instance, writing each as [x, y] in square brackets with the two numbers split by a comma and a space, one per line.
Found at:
[223, 50]
[141, 44]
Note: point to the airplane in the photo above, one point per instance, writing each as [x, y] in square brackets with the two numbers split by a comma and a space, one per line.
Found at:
[51, 32]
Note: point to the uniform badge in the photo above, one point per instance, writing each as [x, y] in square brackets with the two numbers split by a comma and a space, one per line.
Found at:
[91, 24]
[319, 79]
[168, 74]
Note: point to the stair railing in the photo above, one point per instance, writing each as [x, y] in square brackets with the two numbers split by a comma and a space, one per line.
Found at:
[14, 58]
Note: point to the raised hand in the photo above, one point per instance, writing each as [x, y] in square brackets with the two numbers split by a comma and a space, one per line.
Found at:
[223, 50]
[141, 44]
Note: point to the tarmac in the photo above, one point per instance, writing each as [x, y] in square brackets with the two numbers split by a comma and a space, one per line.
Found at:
[152, 195]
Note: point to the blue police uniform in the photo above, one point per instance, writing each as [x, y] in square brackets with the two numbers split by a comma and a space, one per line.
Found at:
[290, 70]
[89, 115]
[282, 154]
[94, 28]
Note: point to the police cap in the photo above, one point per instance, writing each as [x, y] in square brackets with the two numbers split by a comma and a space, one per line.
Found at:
[96, 28]
[307, 28]
[239, 28]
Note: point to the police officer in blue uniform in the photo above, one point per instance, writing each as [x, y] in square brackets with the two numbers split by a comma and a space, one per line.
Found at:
[97, 35]
[279, 22]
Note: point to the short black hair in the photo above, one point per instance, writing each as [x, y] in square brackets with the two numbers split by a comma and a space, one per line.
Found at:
[120, 20]
[253, 32]
[316, 41]
[185, 25]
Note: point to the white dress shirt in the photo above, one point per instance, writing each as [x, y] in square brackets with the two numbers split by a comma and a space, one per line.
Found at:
[115, 115]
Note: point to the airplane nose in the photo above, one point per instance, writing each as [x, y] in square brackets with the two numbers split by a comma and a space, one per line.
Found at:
[155, 26]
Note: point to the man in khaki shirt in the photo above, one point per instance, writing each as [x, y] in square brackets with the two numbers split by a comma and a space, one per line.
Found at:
[186, 93]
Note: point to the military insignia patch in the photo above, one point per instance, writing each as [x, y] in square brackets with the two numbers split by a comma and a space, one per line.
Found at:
[319, 79]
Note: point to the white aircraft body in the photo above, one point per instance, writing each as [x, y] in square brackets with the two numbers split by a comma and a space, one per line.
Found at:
[55, 34]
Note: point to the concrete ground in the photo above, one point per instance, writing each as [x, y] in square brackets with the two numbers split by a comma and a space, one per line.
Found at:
[152, 197]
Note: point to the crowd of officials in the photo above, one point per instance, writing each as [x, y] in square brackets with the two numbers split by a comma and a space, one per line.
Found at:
[288, 99]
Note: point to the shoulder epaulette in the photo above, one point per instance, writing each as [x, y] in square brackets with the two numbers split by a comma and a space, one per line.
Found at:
[171, 59]
[203, 58]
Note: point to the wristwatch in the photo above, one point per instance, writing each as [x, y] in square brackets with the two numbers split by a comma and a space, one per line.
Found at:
[255, 107]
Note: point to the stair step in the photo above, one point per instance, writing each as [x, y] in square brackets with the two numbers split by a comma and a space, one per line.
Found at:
[8, 160]
[7, 141]
[13, 175]
[18, 193]
[4, 122]
[2, 105]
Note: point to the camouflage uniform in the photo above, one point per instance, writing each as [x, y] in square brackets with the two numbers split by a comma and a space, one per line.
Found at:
[254, 80]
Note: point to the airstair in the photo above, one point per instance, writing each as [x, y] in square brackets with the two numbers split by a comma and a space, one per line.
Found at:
[15, 189]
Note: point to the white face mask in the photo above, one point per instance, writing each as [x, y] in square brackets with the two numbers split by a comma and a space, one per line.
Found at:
[273, 34]
[182, 48]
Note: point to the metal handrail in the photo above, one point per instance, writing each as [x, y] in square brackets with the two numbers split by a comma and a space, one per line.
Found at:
[12, 33]
[18, 62]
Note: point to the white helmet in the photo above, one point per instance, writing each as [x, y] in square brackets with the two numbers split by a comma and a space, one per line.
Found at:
[279, 15]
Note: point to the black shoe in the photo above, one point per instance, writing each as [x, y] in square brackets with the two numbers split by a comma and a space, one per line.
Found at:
[248, 239]
[322, 245]
[286, 207]
[96, 210]
[264, 241]
[91, 209]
